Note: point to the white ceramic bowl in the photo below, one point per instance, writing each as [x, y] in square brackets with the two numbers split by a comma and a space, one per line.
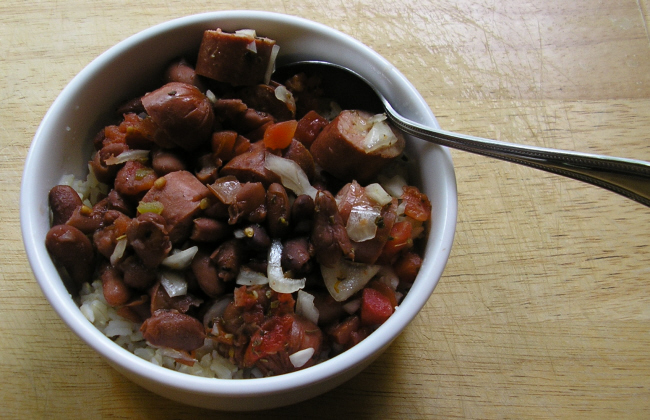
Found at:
[63, 144]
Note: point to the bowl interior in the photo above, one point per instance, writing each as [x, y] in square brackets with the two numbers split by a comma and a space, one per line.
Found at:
[63, 143]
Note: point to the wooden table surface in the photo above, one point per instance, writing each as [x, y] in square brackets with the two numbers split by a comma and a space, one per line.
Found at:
[543, 310]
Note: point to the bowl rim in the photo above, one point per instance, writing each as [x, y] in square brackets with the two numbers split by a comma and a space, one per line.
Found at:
[116, 355]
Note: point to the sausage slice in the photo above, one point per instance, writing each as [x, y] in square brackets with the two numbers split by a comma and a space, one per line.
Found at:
[345, 149]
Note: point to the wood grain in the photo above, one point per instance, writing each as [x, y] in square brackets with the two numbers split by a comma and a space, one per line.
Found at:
[543, 309]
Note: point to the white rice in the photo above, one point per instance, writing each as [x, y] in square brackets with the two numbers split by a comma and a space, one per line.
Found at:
[125, 333]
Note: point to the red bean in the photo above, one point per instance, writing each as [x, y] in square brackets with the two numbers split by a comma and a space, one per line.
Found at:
[115, 291]
[73, 250]
[169, 328]
[63, 201]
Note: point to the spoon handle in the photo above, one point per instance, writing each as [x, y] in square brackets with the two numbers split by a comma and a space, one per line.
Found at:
[628, 177]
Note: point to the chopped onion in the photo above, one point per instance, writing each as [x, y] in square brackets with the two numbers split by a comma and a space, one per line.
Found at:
[252, 47]
[175, 354]
[378, 194]
[393, 185]
[352, 306]
[271, 66]
[277, 281]
[305, 306]
[248, 33]
[377, 118]
[180, 259]
[150, 207]
[211, 96]
[283, 94]
[346, 278]
[401, 208]
[362, 222]
[299, 358]
[248, 277]
[174, 283]
[225, 189]
[129, 155]
[291, 174]
[118, 327]
[379, 137]
[388, 276]
[118, 252]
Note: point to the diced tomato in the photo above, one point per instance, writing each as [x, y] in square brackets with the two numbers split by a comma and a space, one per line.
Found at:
[385, 290]
[399, 240]
[407, 266]
[245, 298]
[418, 205]
[113, 134]
[271, 338]
[284, 304]
[376, 308]
[279, 135]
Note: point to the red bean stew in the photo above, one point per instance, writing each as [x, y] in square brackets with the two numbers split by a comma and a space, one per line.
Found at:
[243, 212]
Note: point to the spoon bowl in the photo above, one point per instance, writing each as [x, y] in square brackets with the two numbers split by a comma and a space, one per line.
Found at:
[627, 177]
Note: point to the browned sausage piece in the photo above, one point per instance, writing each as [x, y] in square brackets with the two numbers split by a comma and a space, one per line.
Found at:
[170, 328]
[329, 237]
[249, 166]
[63, 201]
[340, 148]
[278, 210]
[180, 195]
[148, 237]
[182, 71]
[73, 250]
[234, 58]
[182, 113]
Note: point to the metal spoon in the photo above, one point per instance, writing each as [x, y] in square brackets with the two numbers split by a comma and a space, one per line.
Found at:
[628, 177]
